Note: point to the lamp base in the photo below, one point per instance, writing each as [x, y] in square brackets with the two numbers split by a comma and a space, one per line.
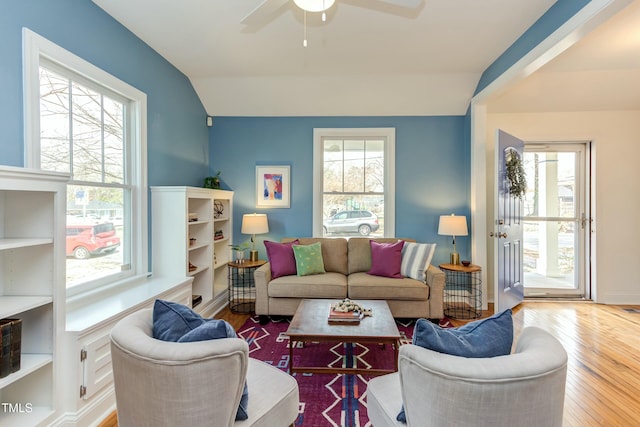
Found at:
[455, 258]
[253, 255]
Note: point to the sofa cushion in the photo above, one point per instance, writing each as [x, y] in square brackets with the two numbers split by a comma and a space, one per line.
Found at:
[334, 252]
[327, 285]
[386, 259]
[366, 286]
[416, 258]
[308, 259]
[359, 258]
[281, 258]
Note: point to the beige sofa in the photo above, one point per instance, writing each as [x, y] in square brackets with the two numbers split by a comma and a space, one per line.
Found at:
[346, 263]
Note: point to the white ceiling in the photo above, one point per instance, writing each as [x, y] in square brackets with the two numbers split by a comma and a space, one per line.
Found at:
[369, 58]
[599, 72]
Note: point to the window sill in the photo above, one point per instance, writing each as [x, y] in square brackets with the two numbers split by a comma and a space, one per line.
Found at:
[94, 309]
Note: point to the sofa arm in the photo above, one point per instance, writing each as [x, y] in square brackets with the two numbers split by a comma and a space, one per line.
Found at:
[435, 280]
[262, 277]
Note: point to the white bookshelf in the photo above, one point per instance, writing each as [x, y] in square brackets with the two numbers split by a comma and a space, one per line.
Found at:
[183, 238]
[32, 213]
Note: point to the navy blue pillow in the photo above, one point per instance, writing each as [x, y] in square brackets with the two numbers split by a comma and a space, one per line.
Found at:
[209, 330]
[172, 320]
[488, 337]
[178, 323]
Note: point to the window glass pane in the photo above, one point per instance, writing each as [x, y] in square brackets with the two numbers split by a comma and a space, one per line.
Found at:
[54, 122]
[343, 215]
[353, 166]
[333, 168]
[374, 164]
[549, 254]
[113, 141]
[87, 134]
[551, 182]
[353, 176]
[95, 228]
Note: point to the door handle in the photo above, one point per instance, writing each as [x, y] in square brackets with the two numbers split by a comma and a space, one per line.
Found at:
[583, 221]
[498, 235]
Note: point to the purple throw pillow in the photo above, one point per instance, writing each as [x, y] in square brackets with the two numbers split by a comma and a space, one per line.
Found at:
[386, 259]
[281, 258]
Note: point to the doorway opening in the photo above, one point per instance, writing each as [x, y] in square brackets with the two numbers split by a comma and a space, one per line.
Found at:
[556, 224]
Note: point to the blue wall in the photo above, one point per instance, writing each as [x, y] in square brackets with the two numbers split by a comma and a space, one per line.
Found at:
[178, 147]
[432, 171]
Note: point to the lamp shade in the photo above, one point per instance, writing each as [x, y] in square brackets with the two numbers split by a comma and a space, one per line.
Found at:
[314, 5]
[452, 225]
[254, 224]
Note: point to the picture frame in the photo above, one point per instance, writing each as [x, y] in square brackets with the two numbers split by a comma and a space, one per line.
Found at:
[273, 186]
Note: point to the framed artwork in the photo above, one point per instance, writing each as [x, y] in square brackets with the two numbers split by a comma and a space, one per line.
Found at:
[273, 185]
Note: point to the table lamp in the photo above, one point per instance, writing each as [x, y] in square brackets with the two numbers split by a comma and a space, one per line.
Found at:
[254, 224]
[452, 225]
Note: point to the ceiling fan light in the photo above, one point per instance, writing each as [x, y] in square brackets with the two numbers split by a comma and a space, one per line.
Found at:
[314, 5]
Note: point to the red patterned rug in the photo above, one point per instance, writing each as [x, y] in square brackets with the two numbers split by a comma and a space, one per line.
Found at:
[326, 400]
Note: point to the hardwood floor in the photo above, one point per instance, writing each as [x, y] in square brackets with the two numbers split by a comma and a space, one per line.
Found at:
[603, 344]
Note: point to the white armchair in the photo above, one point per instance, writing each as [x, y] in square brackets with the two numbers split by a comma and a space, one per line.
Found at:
[159, 383]
[523, 388]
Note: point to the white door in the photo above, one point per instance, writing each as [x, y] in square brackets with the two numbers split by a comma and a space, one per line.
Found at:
[556, 225]
[509, 290]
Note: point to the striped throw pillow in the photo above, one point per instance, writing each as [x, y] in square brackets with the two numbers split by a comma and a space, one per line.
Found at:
[416, 258]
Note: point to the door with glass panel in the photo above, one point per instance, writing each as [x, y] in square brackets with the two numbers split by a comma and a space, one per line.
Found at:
[556, 224]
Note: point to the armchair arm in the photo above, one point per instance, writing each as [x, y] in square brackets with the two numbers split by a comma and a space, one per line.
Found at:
[435, 280]
[262, 277]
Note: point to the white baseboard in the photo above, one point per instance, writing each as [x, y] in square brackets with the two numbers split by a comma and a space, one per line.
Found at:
[92, 414]
[214, 306]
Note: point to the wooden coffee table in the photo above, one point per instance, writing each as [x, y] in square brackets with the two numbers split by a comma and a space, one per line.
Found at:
[310, 323]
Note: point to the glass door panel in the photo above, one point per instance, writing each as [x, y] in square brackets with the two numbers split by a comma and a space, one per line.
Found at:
[549, 255]
[554, 237]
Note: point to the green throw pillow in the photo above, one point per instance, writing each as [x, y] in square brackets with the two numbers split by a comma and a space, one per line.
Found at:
[308, 259]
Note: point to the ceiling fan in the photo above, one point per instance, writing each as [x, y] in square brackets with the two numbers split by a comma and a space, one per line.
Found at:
[267, 9]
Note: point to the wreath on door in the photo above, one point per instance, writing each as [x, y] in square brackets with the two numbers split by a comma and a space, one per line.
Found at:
[515, 173]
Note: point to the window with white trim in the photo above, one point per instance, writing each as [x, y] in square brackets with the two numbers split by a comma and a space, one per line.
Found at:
[84, 122]
[354, 186]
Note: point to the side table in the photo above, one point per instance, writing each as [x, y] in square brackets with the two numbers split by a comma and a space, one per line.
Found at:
[242, 290]
[462, 291]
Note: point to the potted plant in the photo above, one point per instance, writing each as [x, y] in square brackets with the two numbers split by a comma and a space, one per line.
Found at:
[212, 181]
[239, 251]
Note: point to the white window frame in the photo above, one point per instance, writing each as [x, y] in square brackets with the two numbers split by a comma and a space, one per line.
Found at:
[36, 47]
[389, 135]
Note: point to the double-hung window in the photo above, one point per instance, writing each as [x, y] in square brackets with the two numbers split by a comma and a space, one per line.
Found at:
[86, 123]
[354, 182]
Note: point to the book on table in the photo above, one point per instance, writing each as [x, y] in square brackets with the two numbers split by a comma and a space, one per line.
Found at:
[344, 316]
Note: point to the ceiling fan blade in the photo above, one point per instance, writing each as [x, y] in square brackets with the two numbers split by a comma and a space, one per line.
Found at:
[412, 4]
[263, 12]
